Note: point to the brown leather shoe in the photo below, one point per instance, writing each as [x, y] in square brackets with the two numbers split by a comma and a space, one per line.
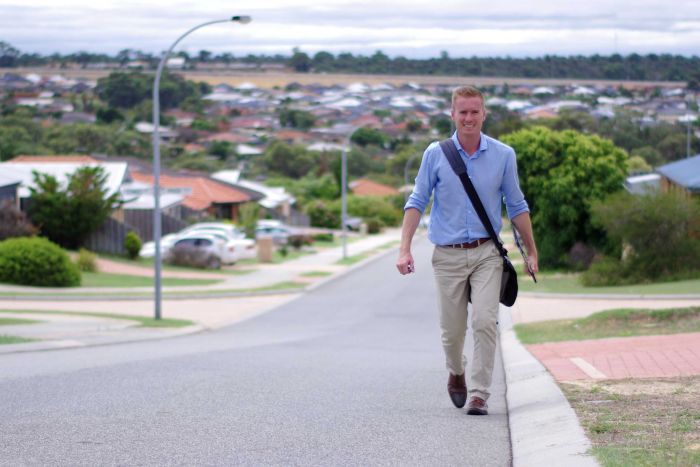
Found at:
[457, 389]
[477, 406]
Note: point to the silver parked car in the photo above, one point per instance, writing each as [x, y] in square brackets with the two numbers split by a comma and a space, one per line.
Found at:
[202, 251]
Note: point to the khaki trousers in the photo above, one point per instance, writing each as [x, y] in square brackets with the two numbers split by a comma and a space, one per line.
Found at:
[456, 272]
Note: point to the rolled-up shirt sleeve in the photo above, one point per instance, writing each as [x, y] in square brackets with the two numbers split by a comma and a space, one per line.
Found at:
[424, 183]
[514, 198]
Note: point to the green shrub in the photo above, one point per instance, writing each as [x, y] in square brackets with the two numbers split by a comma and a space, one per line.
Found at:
[298, 241]
[604, 272]
[321, 214]
[324, 237]
[36, 261]
[248, 216]
[659, 232]
[374, 225]
[86, 260]
[13, 222]
[132, 244]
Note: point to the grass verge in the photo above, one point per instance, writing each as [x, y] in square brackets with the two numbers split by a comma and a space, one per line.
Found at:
[14, 321]
[101, 279]
[167, 293]
[142, 320]
[612, 323]
[569, 284]
[148, 263]
[14, 340]
[640, 422]
[316, 274]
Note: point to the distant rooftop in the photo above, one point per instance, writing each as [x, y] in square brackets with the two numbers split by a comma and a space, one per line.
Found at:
[685, 172]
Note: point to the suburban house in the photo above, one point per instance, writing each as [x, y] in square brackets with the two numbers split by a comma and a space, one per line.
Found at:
[682, 176]
[110, 237]
[275, 200]
[9, 187]
[21, 168]
[203, 198]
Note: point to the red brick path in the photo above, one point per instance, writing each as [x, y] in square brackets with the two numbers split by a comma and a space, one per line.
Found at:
[624, 357]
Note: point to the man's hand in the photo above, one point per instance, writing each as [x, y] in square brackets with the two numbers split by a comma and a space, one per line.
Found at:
[405, 264]
[411, 218]
[531, 266]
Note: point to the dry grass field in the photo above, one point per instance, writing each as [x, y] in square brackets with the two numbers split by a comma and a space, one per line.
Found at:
[281, 79]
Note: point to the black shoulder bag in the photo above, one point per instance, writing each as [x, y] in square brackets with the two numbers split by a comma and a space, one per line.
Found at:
[509, 280]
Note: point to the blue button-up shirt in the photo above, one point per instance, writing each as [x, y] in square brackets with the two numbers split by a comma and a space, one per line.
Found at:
[493, 171]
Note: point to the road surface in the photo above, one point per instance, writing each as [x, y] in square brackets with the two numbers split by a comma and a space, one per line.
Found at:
[351, 373]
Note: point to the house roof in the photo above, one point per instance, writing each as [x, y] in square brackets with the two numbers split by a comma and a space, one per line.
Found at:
[7, 180]
[205, 191]
[366, 187]
[116, 173]
[685, 172]
[642, 184]
[269, 197]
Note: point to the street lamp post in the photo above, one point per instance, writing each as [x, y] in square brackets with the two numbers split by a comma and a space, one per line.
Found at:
[687, 119]
[344, 199]
[406, 168]
[156, 154]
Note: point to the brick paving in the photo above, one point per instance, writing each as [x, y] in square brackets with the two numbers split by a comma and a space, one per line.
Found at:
[619, 358]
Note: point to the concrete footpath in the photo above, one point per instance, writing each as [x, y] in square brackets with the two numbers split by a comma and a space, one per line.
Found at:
[544, 428]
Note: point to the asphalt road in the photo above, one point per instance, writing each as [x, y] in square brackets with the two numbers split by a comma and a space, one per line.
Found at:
[351, 373]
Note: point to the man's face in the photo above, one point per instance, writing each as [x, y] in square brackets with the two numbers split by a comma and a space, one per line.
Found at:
[468, 115]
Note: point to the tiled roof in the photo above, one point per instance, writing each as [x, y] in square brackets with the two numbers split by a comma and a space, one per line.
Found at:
[365, 187]
[205, 191]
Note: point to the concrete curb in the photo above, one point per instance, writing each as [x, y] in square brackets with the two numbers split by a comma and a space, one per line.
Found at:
[544, 429]
[124, 298]
[611, 296]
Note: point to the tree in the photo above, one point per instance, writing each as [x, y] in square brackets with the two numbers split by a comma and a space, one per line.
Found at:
[290, 161]
[204, 56]
[79, 138]
[323, 61]
[562, 174]
[368, 136]
[68, 215]
[295, 118]
[8, 55]
[636, 165]
[13, 222]
[300, 61]
[128, 90]
[123, 90]
[14, 140]
[660, 234]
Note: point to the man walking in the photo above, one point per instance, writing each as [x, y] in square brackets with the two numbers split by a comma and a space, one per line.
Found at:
[465, 260]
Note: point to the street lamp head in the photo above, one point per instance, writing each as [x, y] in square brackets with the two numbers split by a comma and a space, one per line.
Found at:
[242, 19]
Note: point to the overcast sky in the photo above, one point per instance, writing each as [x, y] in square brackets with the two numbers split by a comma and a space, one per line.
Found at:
[414, 29]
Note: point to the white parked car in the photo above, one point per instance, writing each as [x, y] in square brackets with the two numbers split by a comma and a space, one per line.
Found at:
[235, 246]
[230, 230]
[203, 251]
[233, 249]
[148, 249]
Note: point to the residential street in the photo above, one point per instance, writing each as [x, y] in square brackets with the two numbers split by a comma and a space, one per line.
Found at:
[350, 373]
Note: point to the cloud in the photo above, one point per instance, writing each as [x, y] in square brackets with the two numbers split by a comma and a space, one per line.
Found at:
[413, 29]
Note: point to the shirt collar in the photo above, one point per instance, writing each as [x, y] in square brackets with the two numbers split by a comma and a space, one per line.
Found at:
[483, 144]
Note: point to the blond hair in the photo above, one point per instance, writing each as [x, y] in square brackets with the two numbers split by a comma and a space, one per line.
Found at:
[467, 91]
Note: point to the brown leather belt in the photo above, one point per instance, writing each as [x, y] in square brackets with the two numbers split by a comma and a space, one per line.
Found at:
[467, 245]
